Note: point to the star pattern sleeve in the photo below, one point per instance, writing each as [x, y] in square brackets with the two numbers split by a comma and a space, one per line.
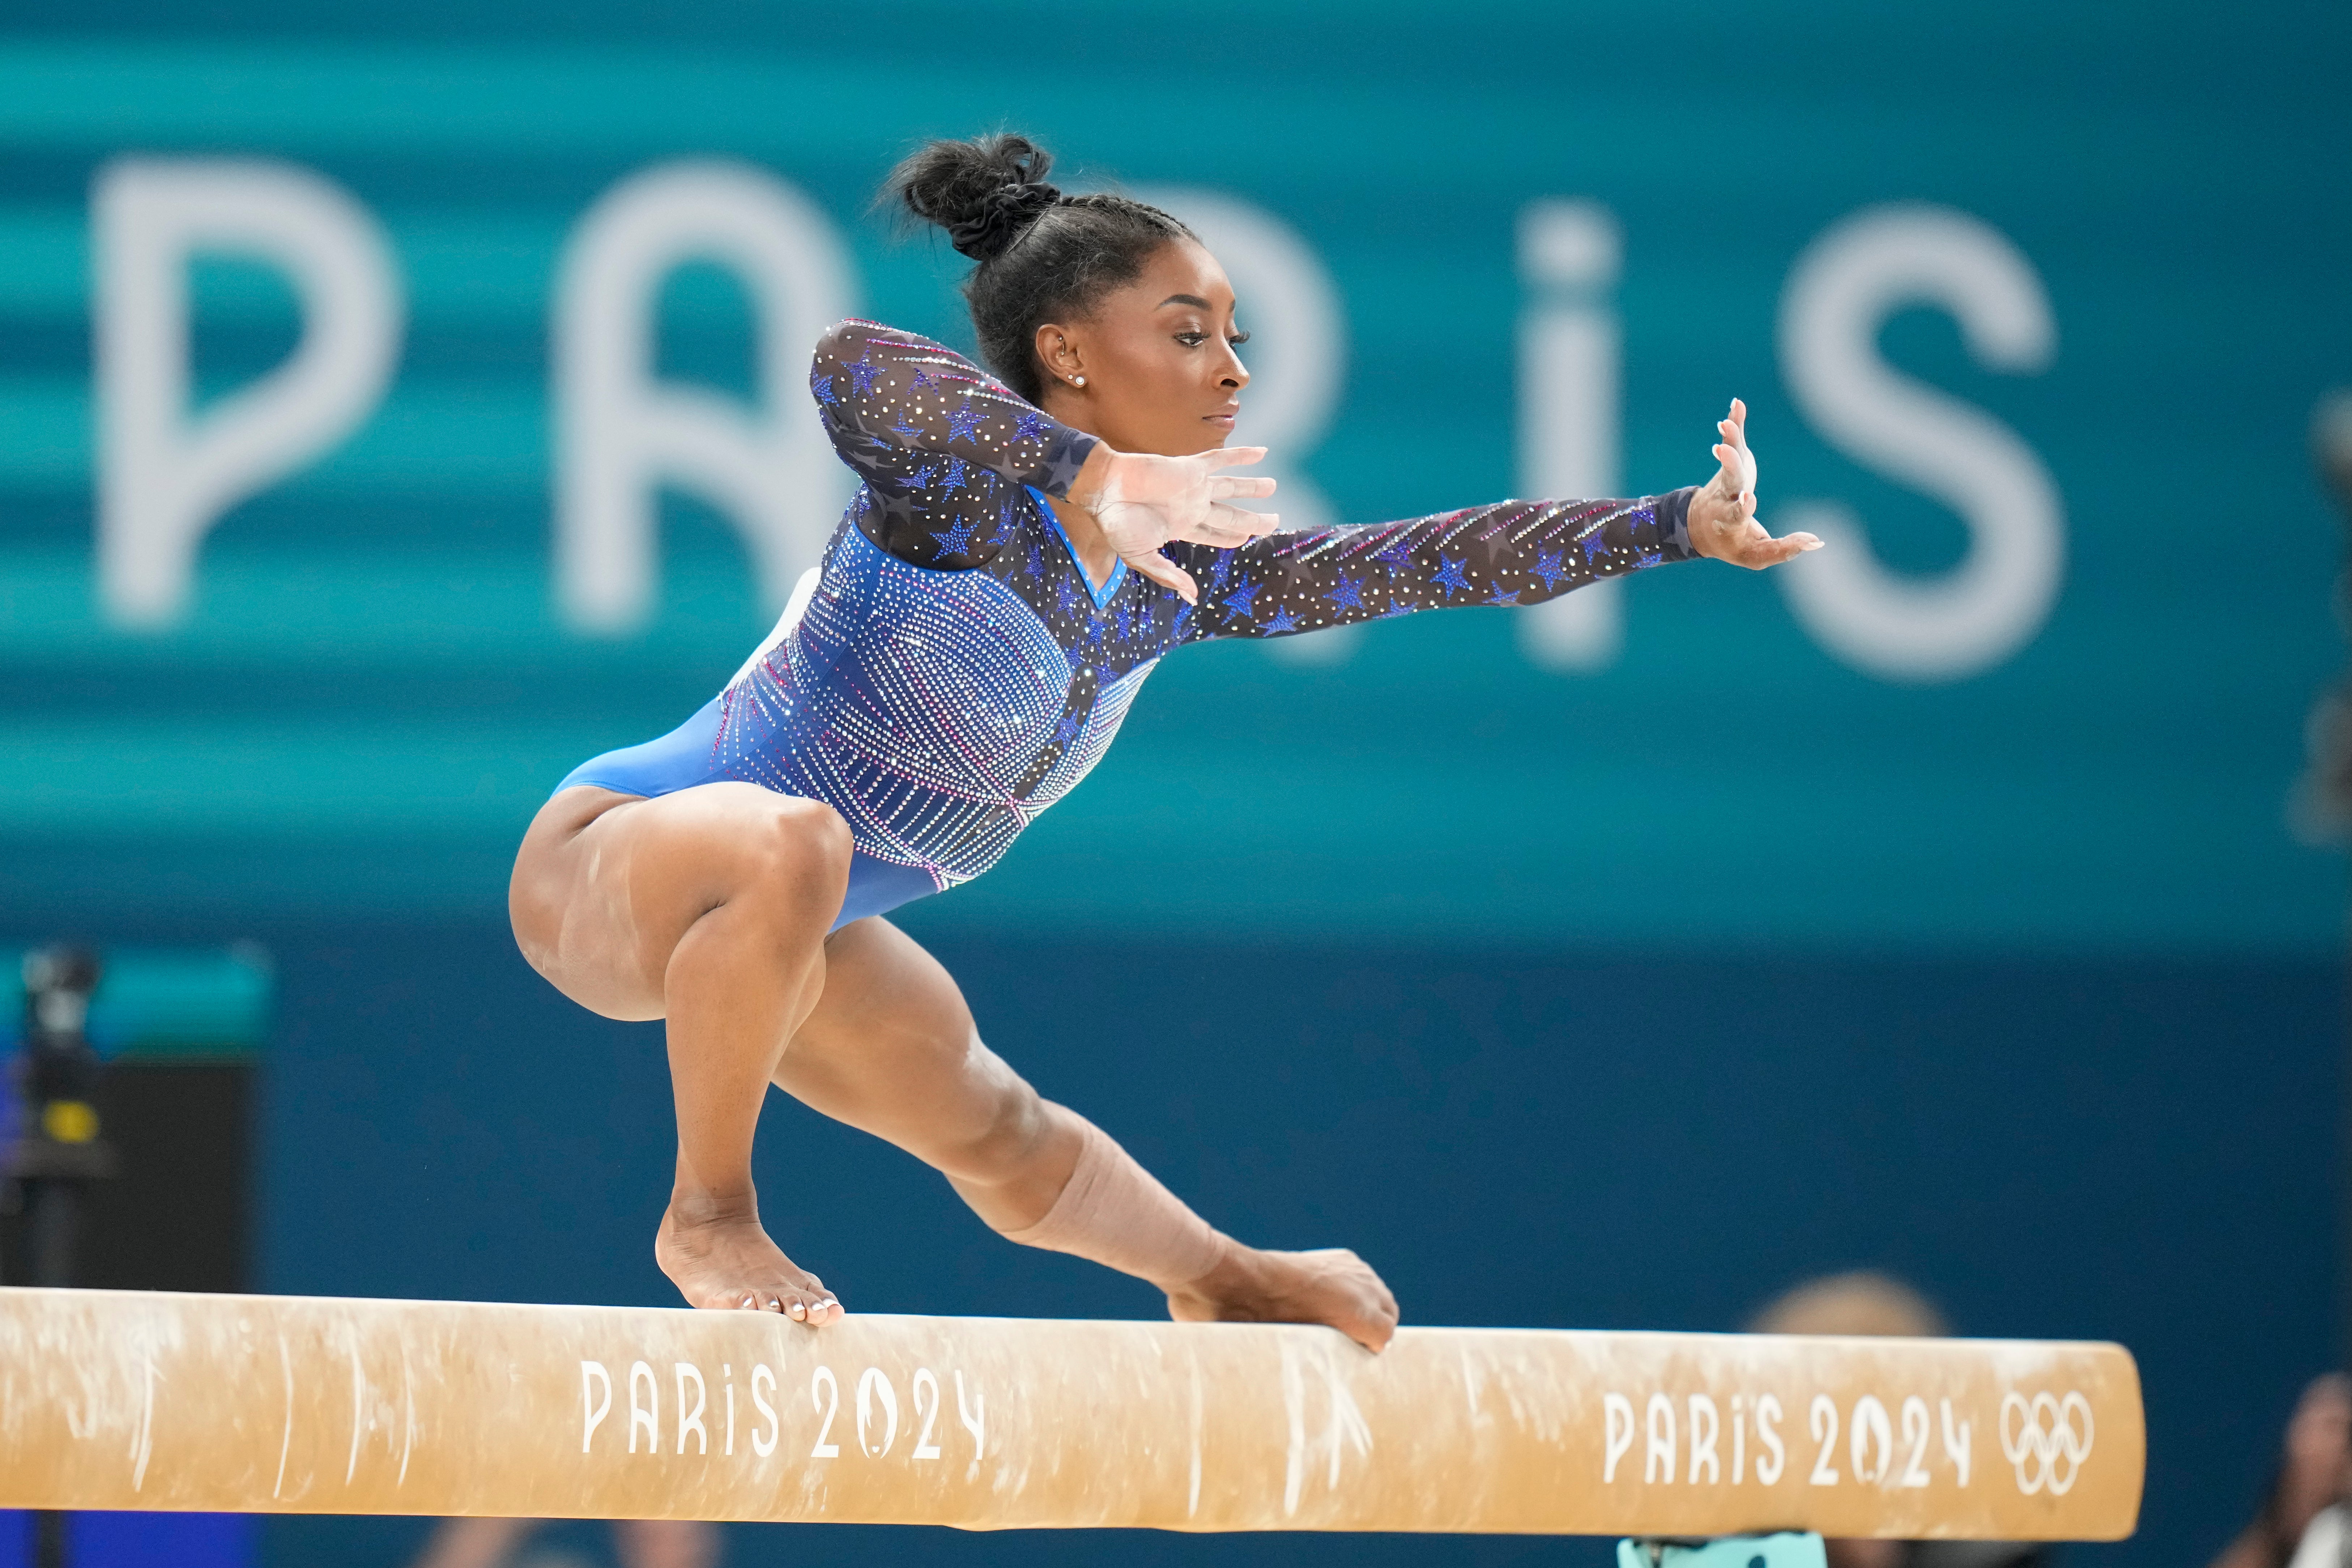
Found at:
[944, 448]
[1513, 552]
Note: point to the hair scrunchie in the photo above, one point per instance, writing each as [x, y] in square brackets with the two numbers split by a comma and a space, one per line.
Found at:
[997, 220]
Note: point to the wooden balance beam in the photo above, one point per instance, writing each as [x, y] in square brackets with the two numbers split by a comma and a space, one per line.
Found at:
[293, 1404]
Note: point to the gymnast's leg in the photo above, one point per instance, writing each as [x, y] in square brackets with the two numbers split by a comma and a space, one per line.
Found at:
[707, 908]
[890, 1048]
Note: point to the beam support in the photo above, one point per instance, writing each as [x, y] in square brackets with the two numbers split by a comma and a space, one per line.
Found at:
[271, 1404]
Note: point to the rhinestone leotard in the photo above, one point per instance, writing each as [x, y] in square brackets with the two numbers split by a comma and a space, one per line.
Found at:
[951, 673]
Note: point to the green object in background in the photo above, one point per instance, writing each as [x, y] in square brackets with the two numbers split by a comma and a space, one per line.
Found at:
[1788, 1548]
[165, 1003]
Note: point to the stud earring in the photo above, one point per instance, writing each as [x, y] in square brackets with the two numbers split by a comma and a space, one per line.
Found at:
[1077, 380]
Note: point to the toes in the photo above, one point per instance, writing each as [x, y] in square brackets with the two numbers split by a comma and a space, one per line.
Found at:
[815, 1309]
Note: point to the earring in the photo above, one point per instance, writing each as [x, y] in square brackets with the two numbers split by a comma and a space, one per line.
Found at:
[1077, 380]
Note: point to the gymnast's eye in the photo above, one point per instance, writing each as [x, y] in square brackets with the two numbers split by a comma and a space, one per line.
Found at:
[1239, 338]
[1191, 340]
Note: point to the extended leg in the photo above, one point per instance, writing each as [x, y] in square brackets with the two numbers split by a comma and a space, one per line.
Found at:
[890, 1048]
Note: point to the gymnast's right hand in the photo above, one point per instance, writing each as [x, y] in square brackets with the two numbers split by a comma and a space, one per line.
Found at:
[1142, 501]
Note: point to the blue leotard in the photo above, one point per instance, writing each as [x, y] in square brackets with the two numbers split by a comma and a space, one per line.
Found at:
[951, 673]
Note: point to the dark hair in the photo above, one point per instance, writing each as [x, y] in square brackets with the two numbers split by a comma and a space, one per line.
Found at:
[1041, 253]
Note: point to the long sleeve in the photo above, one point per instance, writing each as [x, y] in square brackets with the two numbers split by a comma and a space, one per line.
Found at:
[1512, 552]
[943, 447]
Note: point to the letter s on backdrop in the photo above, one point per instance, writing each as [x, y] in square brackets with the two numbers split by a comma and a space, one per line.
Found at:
[1859, 272]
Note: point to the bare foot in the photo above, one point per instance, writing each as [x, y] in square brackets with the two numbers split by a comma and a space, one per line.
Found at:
[1330, 1286]
[730, 1263]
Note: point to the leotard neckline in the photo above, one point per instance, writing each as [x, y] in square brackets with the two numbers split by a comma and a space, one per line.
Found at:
[1102, 596]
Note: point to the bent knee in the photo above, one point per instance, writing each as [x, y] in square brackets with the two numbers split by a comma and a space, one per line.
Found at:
[801, 849]
[1002, 1149]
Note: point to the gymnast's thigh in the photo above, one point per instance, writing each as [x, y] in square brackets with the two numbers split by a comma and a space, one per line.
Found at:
[606, 885]
[891, 1049]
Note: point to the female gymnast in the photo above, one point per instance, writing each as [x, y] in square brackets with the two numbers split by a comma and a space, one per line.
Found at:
[1023, 549]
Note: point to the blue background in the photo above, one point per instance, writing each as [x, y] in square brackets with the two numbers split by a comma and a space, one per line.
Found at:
[1619, 1000]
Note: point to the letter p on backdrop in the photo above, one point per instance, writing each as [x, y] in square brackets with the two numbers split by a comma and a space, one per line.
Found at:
[165, 477]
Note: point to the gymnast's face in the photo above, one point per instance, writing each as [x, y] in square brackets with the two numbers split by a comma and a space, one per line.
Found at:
[1161, 357]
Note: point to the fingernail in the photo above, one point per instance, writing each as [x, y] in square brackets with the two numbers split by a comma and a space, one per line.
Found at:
[1813, 544]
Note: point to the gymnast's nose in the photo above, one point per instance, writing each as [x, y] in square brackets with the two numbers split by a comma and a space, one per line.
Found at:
[1234, 374]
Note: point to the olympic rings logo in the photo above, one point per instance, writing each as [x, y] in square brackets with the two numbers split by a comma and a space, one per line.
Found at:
[2048, 1433]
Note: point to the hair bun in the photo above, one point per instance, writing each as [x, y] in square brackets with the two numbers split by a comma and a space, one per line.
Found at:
[983, 191]
[992, 227]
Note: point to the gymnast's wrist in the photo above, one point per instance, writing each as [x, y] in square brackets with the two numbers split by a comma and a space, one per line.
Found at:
[1086, 490]
[1672, 512]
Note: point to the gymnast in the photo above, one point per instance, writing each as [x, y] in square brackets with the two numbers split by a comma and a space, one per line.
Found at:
[1023, 549]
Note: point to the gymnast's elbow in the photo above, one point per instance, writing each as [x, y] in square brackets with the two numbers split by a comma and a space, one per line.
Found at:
[839, 346]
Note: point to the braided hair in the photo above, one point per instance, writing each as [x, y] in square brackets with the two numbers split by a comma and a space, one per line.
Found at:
[1041, 255]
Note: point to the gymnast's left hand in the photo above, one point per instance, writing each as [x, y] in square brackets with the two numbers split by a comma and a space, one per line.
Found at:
[1722, 517]
[1143, 501]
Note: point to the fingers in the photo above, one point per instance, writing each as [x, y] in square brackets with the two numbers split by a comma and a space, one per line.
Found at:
[1230, 526]
[1734, 433]
[1726, 484]
[1225, 456]
[1738, 474]
[1737, 461]
[1230, 486]
[1166, 573]
[1763, 551]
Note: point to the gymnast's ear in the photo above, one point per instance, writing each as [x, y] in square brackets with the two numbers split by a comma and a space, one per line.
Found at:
[1061, 356]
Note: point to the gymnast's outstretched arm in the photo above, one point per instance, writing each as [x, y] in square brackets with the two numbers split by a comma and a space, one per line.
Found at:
[1511, 552]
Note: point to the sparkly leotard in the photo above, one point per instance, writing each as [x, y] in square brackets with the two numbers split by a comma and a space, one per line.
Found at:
[950, 673]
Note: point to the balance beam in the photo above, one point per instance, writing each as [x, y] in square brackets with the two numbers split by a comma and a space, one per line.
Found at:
[293, 1404]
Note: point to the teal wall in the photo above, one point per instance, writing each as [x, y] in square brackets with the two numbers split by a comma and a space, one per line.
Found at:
[372, 687]
[1657, 985]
